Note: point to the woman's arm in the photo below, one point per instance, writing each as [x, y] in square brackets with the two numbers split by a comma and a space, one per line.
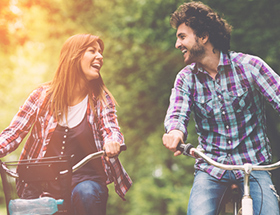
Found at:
[110, 129]
[12, 136]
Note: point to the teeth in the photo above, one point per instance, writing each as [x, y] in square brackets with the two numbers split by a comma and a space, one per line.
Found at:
[96, 65]
[184, 51]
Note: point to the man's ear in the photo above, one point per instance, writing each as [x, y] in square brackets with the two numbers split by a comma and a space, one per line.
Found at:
[204, 37]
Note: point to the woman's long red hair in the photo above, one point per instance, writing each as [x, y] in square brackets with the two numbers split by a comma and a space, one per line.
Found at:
[69, 72]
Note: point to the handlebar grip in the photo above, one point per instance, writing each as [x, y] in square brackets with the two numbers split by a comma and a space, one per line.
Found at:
[180, 147]
[123, 148]
[184, 148]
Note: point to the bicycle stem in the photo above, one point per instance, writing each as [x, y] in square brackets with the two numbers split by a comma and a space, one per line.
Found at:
[247, 172]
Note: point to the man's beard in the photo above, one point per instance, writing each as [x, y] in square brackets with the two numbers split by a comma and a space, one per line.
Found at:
[195, 53]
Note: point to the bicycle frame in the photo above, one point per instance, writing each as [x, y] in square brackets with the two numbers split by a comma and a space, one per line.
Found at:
[247, 168]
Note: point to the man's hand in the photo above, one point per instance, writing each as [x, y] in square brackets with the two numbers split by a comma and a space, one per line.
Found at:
[193, 154]
[172, 139]
[111, 148]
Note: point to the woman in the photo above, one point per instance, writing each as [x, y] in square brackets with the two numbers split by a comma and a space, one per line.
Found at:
[73, 115]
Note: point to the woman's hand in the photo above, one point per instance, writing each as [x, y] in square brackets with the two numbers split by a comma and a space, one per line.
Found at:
[112, 148]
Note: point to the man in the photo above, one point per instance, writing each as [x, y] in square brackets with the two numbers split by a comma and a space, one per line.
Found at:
[225, 91]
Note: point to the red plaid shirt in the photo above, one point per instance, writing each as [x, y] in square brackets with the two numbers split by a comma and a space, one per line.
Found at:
[36, 114]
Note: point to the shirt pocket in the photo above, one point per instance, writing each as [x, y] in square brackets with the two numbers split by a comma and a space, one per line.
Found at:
[239, 99]
[203, 106]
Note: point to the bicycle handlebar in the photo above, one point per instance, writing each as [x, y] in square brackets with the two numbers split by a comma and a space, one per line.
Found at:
[247, 201]
[93, 156]
[81, 163]
[247, 167]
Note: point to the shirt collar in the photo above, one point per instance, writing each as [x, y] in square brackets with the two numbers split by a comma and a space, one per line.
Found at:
[224, 59]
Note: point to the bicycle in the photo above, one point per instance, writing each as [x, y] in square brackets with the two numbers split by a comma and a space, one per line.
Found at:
[57, 168]
[247, 168]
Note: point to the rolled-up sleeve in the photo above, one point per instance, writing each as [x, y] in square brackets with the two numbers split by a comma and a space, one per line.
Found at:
[109, 126]
[179, 110]
[12, 136]
[267, 81]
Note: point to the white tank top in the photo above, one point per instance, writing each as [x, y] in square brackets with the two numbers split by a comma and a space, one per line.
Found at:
[76, 114]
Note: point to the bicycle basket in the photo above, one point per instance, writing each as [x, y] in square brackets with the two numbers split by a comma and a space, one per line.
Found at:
[30, 179]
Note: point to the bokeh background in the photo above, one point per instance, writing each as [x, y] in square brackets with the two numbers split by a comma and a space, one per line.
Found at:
[140, 65]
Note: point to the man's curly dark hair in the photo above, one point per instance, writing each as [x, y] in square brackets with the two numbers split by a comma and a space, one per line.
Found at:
[203, 20]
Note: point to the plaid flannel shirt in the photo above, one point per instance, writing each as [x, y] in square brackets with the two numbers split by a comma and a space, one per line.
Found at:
[228, 110]
[36, 114]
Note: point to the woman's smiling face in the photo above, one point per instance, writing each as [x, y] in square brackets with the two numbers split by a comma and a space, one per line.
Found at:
[92, 61]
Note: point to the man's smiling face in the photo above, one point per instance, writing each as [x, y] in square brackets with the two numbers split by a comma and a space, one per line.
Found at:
[190, 45]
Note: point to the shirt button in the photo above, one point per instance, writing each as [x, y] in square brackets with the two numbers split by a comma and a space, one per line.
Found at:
[66, 130]
[62, 147]
[227, 127]
[223, 112]
[229, 154]
[64, 136]
[63, 142]
[61, 153]
[219, 96]
[229, 142]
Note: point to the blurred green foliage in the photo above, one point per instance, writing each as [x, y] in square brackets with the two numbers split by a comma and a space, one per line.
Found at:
[140, 65]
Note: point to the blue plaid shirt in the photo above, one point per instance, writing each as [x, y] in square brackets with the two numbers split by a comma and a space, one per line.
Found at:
[228, 111]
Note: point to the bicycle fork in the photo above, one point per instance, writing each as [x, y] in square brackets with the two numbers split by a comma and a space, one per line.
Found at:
[247, 201]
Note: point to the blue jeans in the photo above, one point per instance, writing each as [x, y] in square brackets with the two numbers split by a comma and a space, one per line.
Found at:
[89, 198]
[207, 192]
